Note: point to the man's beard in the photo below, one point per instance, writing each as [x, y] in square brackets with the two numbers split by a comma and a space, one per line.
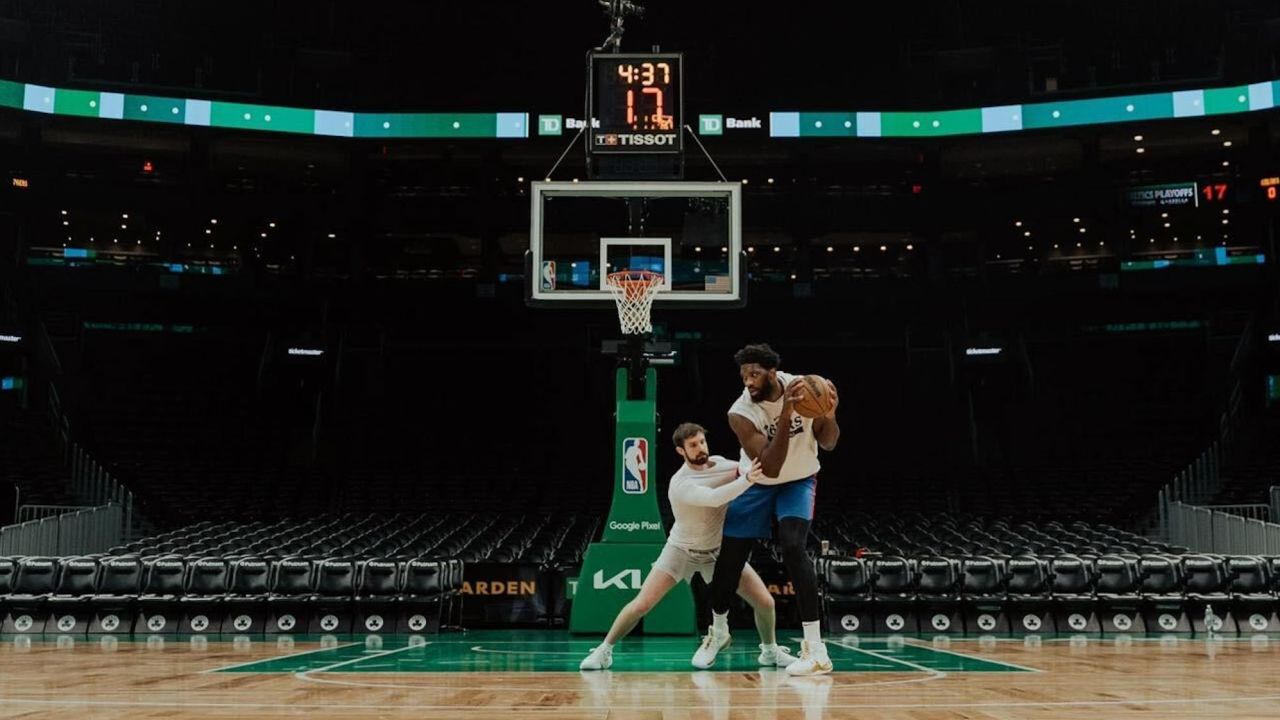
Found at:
[700, 460]
[765, 391]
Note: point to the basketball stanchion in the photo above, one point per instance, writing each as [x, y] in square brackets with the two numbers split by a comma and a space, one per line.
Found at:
[614, 568]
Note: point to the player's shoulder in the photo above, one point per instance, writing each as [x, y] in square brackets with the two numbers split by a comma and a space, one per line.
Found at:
[742, 404]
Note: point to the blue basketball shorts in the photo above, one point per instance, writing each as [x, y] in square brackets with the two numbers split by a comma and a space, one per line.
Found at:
[751, 514]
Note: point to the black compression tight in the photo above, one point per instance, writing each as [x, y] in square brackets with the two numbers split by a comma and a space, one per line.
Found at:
[793, 533]
[734, 553]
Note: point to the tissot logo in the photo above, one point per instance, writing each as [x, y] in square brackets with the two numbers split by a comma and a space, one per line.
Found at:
[636, 139]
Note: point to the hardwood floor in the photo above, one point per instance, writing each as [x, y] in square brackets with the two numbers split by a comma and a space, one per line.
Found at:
[911, 680]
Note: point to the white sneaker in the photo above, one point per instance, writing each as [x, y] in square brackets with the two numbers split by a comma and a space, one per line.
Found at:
[775, 657]
[712, 644]
[599, 659]
[813, 660]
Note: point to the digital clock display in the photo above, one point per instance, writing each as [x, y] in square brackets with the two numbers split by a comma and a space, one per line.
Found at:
[636, 99]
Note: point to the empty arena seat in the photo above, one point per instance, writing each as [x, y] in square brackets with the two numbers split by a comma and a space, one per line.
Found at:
[292, 584]
[1071, 584]
[1071, 578]
[26, 607]
[453, 593]
[8, 573]
[938, 596]
[1028, 597]
[115, 601]
[846, 597]
[422, 597]
[1206, 586]
[69, 604]
[204, 590]
[77, 581]
[158, 610]
[1162, 594]
[331, 602]
[244, 607]
[892, 592]
[379, 584]
[1253, 604]
[1273, 568]
[1116, 588]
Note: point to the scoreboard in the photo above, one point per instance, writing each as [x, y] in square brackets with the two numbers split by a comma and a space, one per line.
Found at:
[637, 102]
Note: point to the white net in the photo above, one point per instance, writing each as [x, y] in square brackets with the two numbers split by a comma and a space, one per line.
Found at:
[633, 290]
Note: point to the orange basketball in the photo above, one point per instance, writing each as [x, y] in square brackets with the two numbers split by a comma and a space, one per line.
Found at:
[817, 400]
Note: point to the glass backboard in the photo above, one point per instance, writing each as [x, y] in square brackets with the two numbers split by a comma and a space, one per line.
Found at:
[690, 232]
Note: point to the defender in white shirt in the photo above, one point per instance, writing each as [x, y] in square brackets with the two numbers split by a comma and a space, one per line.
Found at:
[785, 444]
[699, 491]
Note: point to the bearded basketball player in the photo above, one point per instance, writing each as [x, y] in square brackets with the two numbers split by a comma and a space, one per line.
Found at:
[786, 446]
[698, 493]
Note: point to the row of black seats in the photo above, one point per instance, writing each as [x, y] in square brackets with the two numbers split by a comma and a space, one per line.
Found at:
[472, 537]
[1064, 594]
[918, 535]
[170, 594]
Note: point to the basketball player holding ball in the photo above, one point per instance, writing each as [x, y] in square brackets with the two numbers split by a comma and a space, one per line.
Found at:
[781, 420]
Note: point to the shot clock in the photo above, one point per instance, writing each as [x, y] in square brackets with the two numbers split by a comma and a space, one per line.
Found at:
[636, 98]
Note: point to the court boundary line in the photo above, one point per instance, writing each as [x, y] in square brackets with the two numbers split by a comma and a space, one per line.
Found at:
[930, 648]
[931, 671]
[279, 657]
[377, 654]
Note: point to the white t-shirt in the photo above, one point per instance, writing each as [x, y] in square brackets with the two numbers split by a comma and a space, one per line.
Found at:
[802, 451]
[698, 502]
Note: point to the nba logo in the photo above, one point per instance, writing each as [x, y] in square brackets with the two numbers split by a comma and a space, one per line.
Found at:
[635, 466]
[548, 274]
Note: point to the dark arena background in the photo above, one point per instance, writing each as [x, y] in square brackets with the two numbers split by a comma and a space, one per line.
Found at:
[315, 399]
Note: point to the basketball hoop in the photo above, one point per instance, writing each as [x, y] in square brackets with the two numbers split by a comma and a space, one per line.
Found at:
[633, 290]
